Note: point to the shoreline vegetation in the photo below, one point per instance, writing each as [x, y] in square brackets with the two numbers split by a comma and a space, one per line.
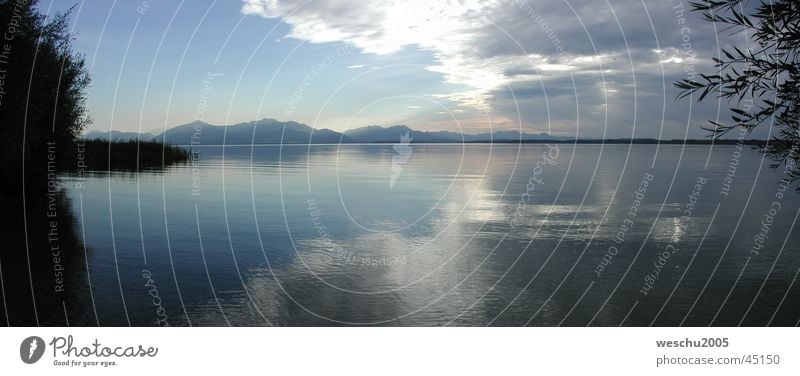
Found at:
[124, 155]
[139, 155]
[613, 141]
[639, 141]
[269, 131]
[142, 155]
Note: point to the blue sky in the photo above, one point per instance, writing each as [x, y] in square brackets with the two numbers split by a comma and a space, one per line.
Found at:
[589, 68]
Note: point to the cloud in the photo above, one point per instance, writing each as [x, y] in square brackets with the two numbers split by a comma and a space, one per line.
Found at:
[446, 28]
[500, 55]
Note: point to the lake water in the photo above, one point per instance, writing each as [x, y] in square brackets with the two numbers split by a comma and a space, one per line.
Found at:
[416, 234]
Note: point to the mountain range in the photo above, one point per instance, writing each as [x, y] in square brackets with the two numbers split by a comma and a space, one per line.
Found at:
[271, 131]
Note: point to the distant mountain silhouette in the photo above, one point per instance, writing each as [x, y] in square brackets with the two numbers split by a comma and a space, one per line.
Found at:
[264, 131]
[376, 133]
[271, 131]
[118, 135]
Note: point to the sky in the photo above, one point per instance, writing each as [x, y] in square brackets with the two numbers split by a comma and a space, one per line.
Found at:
[586, 68]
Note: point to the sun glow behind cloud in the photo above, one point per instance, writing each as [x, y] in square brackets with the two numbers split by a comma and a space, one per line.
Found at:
[450, 30]
[445, 28]
[533, 64]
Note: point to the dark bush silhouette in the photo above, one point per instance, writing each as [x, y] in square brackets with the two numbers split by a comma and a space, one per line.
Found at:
[43, 97]
[768, 73]
[43, 110]
[132, 155]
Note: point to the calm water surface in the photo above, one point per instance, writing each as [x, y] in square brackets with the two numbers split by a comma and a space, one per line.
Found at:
[424, 235]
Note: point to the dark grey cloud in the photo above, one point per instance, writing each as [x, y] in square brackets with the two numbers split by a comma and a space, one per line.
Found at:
[609, 65]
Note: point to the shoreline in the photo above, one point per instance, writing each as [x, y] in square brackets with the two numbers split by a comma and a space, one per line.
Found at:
[726, 142]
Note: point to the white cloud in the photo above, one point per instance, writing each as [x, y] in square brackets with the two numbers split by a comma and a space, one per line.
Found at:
[482, 48]
[446, 28]
[454, 31]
